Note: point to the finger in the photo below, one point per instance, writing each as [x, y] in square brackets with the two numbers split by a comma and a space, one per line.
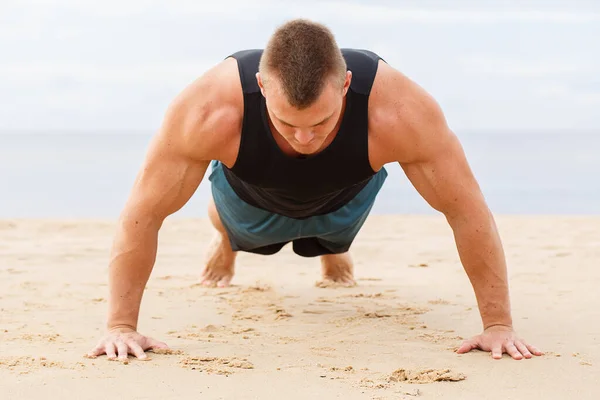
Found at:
[497, 351]
[467, 346]
[512, 350]
[137, 350]
[156, 345]
[523, 349]
[123, 350]
[96, 351]
[534, 350]
[110, 351]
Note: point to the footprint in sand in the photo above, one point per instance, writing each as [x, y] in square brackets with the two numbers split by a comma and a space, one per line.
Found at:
[425, 376]
[215, 365]
[25, 365]
[439, 302]
[329, 284]
[13, 271]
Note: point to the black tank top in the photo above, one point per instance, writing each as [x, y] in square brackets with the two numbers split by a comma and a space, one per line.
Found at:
[265, 177]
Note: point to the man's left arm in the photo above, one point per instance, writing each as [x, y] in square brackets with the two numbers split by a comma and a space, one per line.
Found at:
[441, 174]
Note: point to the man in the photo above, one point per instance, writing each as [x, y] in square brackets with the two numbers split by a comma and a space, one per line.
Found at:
[298, 136]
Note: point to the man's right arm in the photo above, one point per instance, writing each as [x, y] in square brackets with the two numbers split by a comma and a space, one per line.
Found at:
[202, 124]
[174, 166]
[169, 177]
[170, 174]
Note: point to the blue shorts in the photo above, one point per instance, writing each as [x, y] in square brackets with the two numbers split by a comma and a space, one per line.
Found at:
[255, 230]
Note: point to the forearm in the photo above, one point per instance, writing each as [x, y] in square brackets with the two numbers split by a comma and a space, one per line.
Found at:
[481, 253]
[132, 260]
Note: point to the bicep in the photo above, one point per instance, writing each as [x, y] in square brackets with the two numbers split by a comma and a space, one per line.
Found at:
[167, 179]
[444, 178]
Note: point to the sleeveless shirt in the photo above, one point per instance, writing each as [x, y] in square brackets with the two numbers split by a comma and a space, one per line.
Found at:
[264, 177]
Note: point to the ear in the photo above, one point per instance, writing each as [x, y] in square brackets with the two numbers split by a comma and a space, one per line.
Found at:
[261, 84]
[347, 82]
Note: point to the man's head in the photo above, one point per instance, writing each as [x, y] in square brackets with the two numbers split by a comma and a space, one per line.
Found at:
[303, 76]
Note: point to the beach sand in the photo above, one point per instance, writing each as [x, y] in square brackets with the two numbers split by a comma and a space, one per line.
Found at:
[275, 335]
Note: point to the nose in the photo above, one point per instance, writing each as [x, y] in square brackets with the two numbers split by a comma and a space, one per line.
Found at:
[304, 137]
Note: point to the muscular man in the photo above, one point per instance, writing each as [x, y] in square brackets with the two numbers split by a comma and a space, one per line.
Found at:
[297, 137]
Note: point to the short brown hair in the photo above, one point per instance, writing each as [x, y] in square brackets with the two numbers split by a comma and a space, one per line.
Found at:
[303, 54]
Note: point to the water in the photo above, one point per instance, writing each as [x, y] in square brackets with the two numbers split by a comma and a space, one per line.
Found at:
[48, 175]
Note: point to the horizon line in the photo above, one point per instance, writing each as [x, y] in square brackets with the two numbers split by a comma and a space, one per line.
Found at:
[149, 131]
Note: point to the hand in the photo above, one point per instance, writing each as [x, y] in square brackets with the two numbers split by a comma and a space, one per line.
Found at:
[125, 341]
[500, 339]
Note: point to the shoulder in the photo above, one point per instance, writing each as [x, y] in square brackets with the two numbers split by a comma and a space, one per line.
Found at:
[406, 123]
[204, 120]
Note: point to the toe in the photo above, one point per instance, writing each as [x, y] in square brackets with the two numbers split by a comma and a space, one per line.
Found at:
[224, 282]
[208, 283]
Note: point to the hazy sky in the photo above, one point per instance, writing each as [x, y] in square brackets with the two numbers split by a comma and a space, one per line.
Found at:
[115, 65]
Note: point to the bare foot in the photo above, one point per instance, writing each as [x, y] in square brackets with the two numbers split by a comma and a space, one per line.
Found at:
[337, 270]
[220, 263]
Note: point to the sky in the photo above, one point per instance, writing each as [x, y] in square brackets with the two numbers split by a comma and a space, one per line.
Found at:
[114, 66]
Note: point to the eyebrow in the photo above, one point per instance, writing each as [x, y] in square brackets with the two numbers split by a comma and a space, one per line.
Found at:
[318, 123]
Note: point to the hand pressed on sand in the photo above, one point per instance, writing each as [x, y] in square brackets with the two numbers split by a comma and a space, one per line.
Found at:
[120, 342]
[498, 340]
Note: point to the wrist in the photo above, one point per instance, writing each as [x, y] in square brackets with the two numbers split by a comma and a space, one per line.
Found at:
[120, 327]
[498, 326]
[496, 314]
[117, 319]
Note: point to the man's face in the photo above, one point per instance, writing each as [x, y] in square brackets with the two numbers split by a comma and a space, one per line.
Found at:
[306, 130]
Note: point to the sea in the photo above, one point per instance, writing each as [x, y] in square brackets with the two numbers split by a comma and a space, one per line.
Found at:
[78, 175]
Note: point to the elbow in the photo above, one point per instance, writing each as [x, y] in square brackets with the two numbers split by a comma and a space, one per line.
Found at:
[137, 221]
[465, 210]
[479, 215]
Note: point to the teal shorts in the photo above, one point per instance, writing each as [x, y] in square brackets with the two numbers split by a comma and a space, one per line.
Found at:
[255, 230]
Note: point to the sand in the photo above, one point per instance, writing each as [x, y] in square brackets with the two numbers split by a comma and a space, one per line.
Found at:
[276, 335]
